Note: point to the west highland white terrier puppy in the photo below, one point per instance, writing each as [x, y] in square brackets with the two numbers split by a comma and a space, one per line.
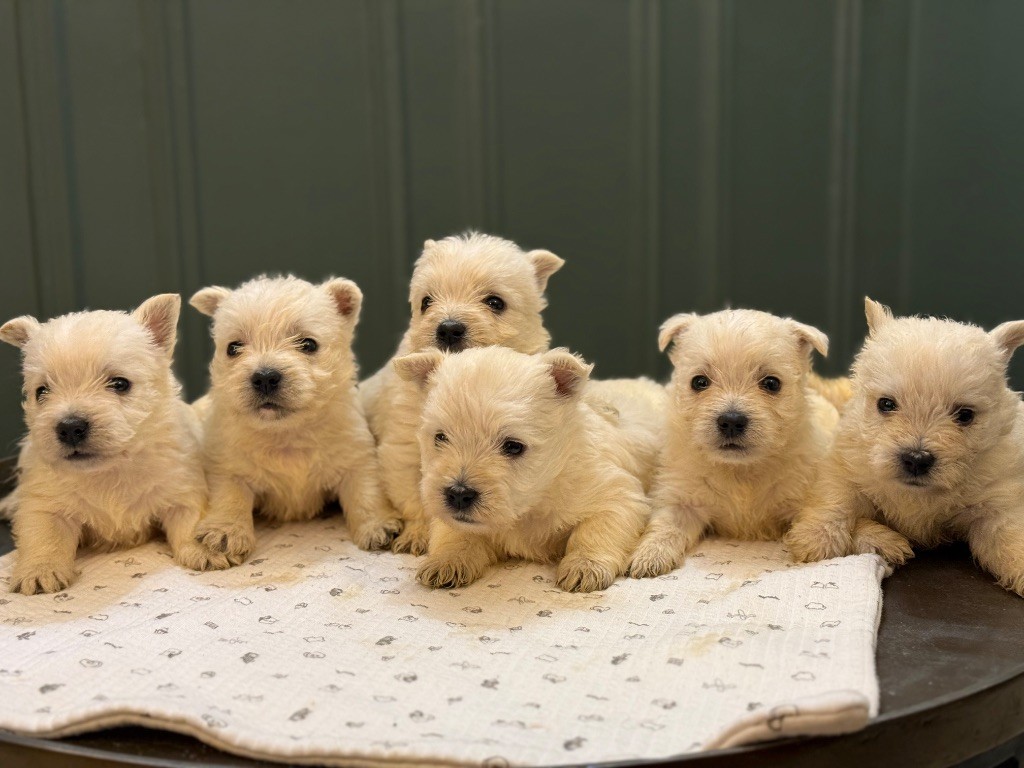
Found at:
[518, 462]
[284, 431]
[112, 452]
[929, 449]
[746, 432]
[470, 290]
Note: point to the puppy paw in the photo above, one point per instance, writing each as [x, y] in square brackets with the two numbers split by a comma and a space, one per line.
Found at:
[413, 539]
[42, 579]
[443, 573]
[198, 557]
[880, 540]
[809, 544]
[376, 534]
[650, 561]
[235, 542]
[579, 574]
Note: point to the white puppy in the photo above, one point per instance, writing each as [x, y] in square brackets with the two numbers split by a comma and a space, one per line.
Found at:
[519, 463]
[467, 291]
[930, 448]
[745, 435]
[112, 451]
[284, 431]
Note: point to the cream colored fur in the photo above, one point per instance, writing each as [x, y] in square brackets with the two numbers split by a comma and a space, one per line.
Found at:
[930, 369]
[308, 443]
[575, 495]
[751, 488]
[455, 276]
[138, 469]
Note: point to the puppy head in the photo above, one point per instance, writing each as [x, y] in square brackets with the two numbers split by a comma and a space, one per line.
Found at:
[496, 429]
[930, 395]
[282, 345]
[475, 290]
[93, 380]
[739, 380]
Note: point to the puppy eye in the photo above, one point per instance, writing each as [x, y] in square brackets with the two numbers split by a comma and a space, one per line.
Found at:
[771, 384]
[119, 384]
[512, 448]
[309, 346]
[495, 303]
[234, 348]
[700, 383]
[440, 438]
[887, 405]
[41, 392]
[425, 304]
[963, 416]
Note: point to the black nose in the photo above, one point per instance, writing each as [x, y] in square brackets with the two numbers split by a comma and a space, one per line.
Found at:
[450, 334]
[917, 463]
[73, 430]
[732, 423]
[266, 381]
[460, 497]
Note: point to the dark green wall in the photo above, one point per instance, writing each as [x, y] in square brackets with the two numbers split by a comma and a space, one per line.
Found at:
[790, 155]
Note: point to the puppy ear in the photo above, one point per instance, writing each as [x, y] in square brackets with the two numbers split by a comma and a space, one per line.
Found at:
[19, 330]
[877, 314]
[810, 338]
[428, 244]
[206, 300]
[419, 366]
[159, 316]
[1007, 337]
[347, 297]
[545, 264]
[569, 371]
[673, 328]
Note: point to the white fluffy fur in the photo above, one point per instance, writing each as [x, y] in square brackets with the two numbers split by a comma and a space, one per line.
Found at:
[457, 274]
[577, 492]
[753, 487]
[288, 455]
[931, 369]
[138, 469]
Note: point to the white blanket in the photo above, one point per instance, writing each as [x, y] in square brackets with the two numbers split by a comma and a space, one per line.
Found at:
[316, 652]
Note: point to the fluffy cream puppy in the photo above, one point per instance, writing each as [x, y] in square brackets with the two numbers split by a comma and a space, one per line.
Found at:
[284, 431]
[518, 462]
[470, 290]
[930, 449]
[112, 452]
[745, 432]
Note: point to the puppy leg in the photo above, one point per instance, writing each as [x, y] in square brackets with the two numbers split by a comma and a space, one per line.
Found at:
[179, 526]
[871, 537]
[227, 527]
[400, 473]
[823, 529]
[456, 558]
[997, 543]
[372, 521]
[46, 547]
[599, 548]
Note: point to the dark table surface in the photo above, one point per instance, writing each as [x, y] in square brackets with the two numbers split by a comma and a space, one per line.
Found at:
[950, 667]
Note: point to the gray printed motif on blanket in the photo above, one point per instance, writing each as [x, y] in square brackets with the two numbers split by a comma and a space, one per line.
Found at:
[316, 652]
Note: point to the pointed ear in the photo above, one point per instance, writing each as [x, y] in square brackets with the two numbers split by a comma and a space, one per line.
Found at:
[877, 314]
[347, 297]
[675, 327]
[545, 264]
[428, 244]
[419, 366]
[159, 316]
[809, 337]
[569, 371]
[1007, 337]
[206, 300]
[19, 330]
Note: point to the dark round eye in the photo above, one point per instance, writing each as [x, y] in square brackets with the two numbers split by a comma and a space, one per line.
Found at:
[119, 384]
[512, 448]
[41, 392]
[495, 303]
[309, 346]
[440, 437]
[425, 304]
[700, 383]
[770, 384]
[963, 416]
[887, 405]
[234, 348]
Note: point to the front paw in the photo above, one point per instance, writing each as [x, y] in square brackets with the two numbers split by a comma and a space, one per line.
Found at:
[235, 541]
[198, 557]
[811, 543]
[376, 534]
[891, 546]
[42, 579]
[580, 574]
[448, 573]
[413, 539]
[652, 559]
